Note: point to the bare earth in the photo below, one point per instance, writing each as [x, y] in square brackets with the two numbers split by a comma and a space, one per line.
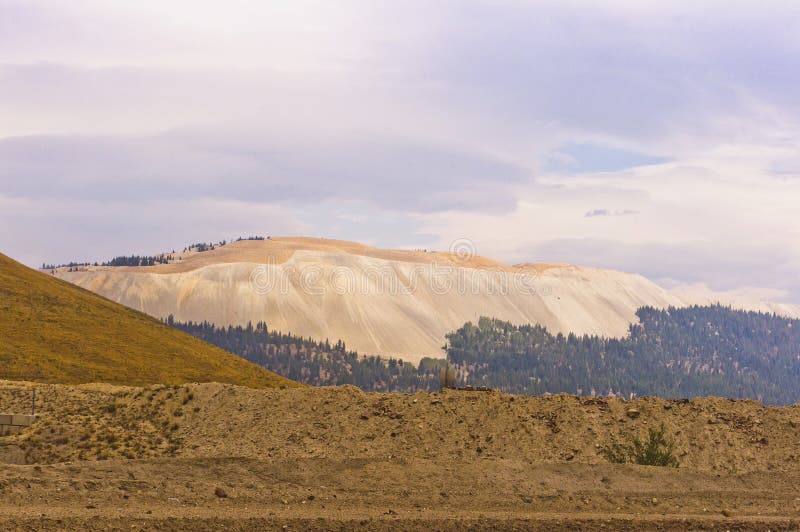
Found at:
[102, 457]
[390, 302]
[398, 303]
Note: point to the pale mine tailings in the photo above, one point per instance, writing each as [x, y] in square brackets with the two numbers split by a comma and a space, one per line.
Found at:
[388, 302]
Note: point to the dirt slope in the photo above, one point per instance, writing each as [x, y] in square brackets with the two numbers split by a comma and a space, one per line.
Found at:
[391, 302]
[52, 331]
[337, 458]
[207, 420]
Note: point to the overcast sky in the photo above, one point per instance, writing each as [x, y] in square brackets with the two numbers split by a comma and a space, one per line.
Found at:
[655, 137]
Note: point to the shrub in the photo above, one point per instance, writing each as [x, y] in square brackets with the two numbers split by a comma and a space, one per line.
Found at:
[655, 450]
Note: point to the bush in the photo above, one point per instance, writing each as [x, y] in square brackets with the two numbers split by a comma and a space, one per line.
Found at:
[656, 450]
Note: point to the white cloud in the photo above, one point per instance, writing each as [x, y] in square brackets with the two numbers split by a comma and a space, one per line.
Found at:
[55, 231]
[723, 220]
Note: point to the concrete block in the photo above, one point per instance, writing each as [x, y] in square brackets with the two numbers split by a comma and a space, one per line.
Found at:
[9, 430]
[5, 419]
[23, 420]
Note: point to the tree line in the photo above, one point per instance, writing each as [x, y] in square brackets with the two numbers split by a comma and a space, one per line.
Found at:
[674, 352]
[319, 363]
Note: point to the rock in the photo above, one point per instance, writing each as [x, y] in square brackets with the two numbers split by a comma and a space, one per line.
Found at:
[219, 492]
[654, 500]
[174, 500]
[632, 413]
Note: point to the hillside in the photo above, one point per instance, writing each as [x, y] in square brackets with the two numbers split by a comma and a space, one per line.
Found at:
[390, 302]
[677, 352]
[52, 331]
[214, 420]
[213, 456]
[317, 363]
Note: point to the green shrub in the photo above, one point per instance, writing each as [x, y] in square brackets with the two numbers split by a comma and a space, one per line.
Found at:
[655, 450]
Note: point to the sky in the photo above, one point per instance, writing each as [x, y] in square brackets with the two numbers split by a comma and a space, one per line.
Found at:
[661, 138]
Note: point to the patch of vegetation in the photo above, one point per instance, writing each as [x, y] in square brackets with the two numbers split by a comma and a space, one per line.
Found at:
[319, 363]
[674, 352]
[655, 450]
[140, 260]
[54, 332]
[694, 351]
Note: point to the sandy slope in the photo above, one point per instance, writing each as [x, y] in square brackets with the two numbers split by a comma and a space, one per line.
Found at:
[338, 458]
[701, 295]
[391, 302]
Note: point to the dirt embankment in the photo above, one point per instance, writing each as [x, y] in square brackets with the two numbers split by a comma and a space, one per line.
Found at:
[104, 457]
[207, 420]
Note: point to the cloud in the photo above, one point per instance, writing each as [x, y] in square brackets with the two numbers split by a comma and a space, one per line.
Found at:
[535, 129]
[643, 76]
[725, 221]
[247, 165]
[53, 231]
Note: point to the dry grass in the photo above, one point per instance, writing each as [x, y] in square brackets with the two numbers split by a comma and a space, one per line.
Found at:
[52, 331]
[213, 420]
[341, 459]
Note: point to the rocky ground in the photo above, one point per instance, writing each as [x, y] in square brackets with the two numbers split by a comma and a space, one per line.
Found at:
[210, 456]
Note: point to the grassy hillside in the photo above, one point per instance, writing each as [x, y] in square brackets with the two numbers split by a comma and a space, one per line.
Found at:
[52, 331]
